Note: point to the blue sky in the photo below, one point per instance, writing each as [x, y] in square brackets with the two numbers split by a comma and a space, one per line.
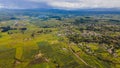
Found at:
[59, 4]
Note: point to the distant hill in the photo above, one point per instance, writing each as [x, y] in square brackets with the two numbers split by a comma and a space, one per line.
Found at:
[76, 12]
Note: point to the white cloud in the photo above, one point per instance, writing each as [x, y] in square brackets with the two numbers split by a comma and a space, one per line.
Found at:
[61, 4]
[79, 4]
[1, 6]
[11, 6]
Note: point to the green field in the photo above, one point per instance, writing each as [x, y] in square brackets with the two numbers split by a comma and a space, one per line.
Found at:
[68, 42]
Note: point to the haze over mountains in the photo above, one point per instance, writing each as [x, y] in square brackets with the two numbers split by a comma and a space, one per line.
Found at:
[62, 11]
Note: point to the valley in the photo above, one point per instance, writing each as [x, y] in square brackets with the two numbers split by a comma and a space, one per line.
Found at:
[31, 39]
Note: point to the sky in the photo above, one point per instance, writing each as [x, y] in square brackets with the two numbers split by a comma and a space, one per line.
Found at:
[59, 4]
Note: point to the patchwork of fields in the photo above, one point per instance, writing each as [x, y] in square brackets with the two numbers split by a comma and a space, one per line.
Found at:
[33, 41]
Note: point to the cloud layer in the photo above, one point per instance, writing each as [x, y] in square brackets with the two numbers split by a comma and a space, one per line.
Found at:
[60, 4]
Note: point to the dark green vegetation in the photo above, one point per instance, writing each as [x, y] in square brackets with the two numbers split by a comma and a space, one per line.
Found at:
[31, 39]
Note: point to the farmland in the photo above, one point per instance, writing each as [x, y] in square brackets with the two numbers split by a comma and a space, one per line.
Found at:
[47, 40]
